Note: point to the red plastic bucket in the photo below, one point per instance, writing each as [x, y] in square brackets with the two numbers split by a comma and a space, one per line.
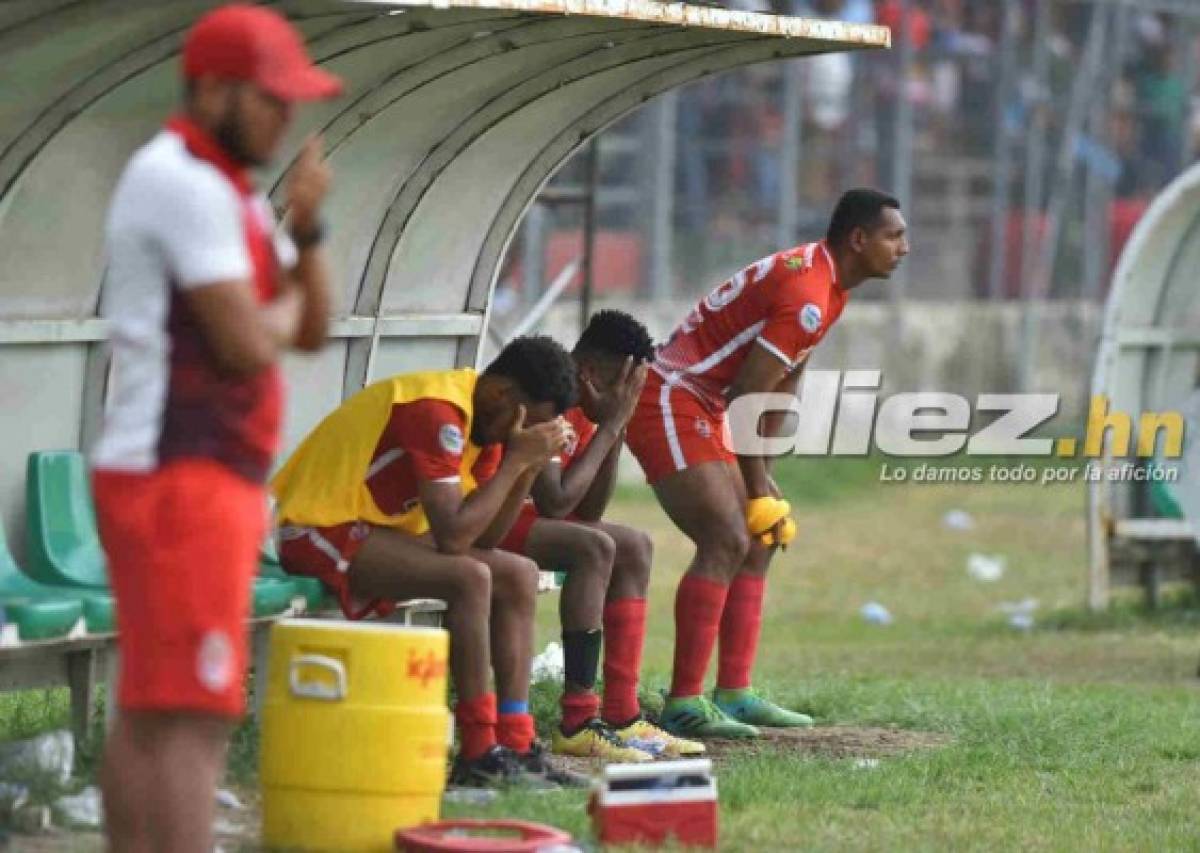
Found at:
[456, 836]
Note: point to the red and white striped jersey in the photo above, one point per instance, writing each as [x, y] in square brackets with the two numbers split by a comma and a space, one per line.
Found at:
[784, 303]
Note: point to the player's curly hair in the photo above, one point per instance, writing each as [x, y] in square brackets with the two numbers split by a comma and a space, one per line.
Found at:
[616, 333]
[541, 368]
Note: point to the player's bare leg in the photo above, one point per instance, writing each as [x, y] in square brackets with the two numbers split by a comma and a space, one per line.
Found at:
[149, 805]
[624, 638]
[706, 502]
[741, 627]
[586, 555]
[396, 566]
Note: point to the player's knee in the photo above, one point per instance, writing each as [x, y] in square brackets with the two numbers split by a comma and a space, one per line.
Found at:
[641, 550]
[726, 545]
[595, 552]
[472, 583]
[515, 580]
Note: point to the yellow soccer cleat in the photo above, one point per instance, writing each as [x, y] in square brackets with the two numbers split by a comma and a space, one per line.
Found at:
[644, 735]
[596, 740]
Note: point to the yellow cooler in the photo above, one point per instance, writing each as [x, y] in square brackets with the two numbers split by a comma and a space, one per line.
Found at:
[354, 733]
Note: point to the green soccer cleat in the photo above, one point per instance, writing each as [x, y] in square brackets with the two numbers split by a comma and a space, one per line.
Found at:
[696, 717]
[748, 707]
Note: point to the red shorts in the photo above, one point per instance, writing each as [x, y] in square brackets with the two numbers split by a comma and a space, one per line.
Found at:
[325, 553]
[672, 430]
[182, 545]
[518, 535]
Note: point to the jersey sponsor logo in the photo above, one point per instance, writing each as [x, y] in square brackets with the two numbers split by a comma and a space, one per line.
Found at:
[450, 437]
[810, 318]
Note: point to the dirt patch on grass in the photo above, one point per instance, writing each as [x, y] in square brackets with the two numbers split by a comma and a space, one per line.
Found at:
[818, 742]
[831, 742]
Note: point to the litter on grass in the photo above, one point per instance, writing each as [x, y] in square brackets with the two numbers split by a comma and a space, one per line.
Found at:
[987, 568]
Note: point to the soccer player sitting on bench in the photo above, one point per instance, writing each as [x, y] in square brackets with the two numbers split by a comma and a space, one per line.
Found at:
[607, 564]
[381, 503]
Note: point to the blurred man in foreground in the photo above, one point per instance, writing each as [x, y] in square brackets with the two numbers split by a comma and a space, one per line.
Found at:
[202, 297]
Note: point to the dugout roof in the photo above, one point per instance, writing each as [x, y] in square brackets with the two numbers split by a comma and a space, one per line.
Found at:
[456, 112]
[1149, 361]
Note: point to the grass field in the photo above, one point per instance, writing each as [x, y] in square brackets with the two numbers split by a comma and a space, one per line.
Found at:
[1083, 733]
[1059, 739]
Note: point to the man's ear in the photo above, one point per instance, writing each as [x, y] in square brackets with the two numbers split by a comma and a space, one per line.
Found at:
[858, 239]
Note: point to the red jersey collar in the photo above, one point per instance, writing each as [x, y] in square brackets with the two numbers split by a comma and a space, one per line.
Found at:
[833, 270]
[201, 144]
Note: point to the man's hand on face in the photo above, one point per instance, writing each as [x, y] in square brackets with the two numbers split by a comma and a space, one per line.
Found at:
[614, 404]
[308, 185]
[536, 445]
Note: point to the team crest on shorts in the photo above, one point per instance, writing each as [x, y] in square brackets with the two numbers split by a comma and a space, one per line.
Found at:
[214, 661]
[703, 429]
[810, 318]
[450, 437]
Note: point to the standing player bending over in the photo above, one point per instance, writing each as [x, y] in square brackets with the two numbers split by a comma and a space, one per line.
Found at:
[380, 503]
[750, 335]
[607, 564]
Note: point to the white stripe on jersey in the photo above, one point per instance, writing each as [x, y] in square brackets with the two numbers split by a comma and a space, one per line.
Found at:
[775, 351]
[385, 459]
[731, 346]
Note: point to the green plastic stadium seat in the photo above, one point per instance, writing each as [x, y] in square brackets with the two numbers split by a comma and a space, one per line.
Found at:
[39, 612]
[311, 589]
[272, 596]
[64, 547]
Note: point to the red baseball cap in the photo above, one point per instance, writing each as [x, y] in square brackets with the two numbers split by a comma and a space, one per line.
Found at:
[255, 44]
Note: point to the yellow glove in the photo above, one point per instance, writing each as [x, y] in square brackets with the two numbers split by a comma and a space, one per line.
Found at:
[762, 514]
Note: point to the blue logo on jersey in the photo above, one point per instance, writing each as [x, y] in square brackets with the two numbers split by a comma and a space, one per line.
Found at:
[810, 318]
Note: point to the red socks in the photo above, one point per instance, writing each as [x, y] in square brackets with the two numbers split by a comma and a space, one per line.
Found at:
[624, 636]
[698, 605]
[741, 624]
[476, 724]
[516, 732]
[577, 709]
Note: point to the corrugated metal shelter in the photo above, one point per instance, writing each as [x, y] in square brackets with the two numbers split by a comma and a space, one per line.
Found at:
[1149, 361]
[456, 113]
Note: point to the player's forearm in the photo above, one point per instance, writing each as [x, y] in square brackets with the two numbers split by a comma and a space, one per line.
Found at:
[595, 502]
[313, 281]
[577, 481]
[756, 476]
[457, 533]
[509, 510]
[280, 321]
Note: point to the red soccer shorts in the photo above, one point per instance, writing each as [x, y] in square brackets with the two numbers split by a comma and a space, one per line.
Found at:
[182, 545]
[518, 535]
[672, 430]
[325, 553]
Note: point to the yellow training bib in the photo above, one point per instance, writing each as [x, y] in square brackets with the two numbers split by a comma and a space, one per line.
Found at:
[324, 481]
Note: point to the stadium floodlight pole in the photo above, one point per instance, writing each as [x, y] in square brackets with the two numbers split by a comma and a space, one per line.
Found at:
[1004, 152]
[1060, 194]
[1098, 192]
[591, 166]
[902, 166]
[1035, 153]
[662, 122]
[789, 154]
